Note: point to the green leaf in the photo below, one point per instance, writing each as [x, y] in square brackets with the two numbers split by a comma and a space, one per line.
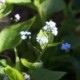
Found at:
[38, 73]
[44, 74]
[1, 70]
[18, 1]
[18, 63]
[54, 44]
[40, 35]
[5, 10]
[41, 1]
[10, 37]
[51, 6]
[26, 63]
[2, 64]
[13, 74]
[31, 65]
[48, 36]
[76, 4]
[38, 64]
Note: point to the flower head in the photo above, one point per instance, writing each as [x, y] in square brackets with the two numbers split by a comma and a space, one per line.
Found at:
[24, 34]
[51, 23]
[42, 40]
[26, 76]
[54, 31]
[66, 47]
[5, 78]
[23, 37]
[51, 27]
[17, 17]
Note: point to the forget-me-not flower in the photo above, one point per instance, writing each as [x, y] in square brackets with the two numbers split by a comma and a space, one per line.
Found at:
[42, 40]
[17, 17]
[24, 34]
[26, 76]
[66, 47]
[51, 27]
[5, 78]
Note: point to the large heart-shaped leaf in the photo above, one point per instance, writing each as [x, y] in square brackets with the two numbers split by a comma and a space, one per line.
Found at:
[76, 4]
[10, 37]
[51, 6]
[43, 74]
[38, 73]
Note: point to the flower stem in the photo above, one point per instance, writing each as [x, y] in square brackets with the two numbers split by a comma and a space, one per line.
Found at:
[41, 54]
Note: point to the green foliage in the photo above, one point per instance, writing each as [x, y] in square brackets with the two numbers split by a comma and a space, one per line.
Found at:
[38, 73]
[42, 54]
[10, 37]
[2, 64]
[26, 63]
[5, 10]
[18, 1]
[43, 74]
[13, 74]
[52, 6]
[76, 5]
[41, 34]
[54, 44]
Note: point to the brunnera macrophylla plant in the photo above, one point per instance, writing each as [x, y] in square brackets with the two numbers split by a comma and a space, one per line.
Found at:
[44, 37]
[47, 33]
[36, 48]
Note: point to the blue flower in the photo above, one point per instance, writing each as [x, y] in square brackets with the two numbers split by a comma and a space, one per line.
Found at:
[66, 47]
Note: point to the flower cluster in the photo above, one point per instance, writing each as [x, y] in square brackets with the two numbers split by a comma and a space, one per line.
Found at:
[24, 34]
[5, 78]
[17, 17]
[26, 76]
[51, 27]
[42, 40]
[66, 47]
